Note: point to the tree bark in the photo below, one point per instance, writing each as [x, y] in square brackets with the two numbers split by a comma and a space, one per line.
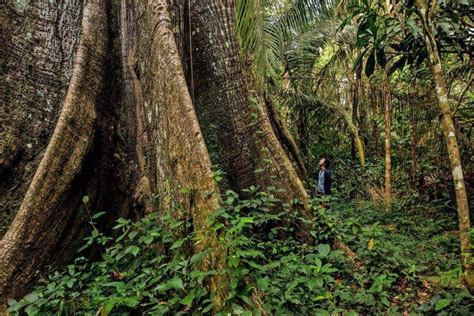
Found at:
[353, 121]
[236, 123]
[37, 62]
[451, 143]
[33, 234]
[166, 153]
[176, 143]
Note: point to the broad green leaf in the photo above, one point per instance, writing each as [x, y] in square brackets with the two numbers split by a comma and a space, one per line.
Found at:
[324, 250]
[262, 283]
[188, 299]
[442, 303]
[31, 298]
[176, 283]
[134, 250]
[85, 199]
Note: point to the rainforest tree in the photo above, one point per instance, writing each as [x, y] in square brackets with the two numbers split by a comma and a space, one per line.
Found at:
[125, 128]
[210, 116]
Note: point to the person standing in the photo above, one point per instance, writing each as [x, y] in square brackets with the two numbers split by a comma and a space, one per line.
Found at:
[324, 179]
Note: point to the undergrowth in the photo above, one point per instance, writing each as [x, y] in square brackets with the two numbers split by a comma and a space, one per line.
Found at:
[147, 267]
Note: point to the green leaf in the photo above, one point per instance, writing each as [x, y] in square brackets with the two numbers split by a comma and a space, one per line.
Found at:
[177, 244]
[97, 215]
[262, 283]
[175, 283]
[131, 301]
[188, 299]
[15, 306]
[197, 257]
[324, 250]
[134, 250]
[31, 298]
[442, 304]
[370, 64]
[234, 261]
[70, 283]
[208, 308]
[358, 60]
[399, 64]
[85, 199]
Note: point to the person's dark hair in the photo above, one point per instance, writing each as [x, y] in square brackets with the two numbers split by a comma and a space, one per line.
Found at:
[327, 163]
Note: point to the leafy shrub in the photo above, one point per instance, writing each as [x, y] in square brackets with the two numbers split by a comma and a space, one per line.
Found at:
[147, 268]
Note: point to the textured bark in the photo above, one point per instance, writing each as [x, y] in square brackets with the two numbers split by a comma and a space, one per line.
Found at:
[146, 98]
[236, 123]
[177, 153]
[36, 61]
[33, 231]
[285, 138]
[452, 145]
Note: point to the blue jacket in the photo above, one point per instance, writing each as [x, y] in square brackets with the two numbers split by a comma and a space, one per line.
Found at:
[324, 182]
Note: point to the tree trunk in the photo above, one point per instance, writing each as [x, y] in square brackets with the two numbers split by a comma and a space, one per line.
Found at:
[235, 121]
[414, 143]
[452, 145]
[32, 233]
[37, 63]
[126, 129]
[166, 153]
[176, 143]
[303, 132]
[355, 124]
[387, 100]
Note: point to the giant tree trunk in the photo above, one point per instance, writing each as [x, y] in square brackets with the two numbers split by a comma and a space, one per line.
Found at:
[166, 151]
[125, 128]
[452, 145]
[176, 144]
[33, 234]
[37, 62]
[236, 123]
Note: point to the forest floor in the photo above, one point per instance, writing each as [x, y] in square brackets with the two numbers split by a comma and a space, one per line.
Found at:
[411, 253]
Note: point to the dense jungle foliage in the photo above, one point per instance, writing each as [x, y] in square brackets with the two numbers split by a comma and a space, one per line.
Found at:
[355, 82]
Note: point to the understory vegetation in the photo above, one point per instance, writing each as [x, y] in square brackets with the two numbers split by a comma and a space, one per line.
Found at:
[410, 263]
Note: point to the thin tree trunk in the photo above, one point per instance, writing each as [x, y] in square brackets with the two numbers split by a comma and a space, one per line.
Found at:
[357, 143]
[451, 144]
[387, 100]
[302, 127]
[414, 143]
